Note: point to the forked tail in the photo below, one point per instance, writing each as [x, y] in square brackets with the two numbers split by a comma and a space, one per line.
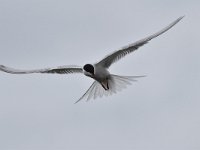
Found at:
[116, 83]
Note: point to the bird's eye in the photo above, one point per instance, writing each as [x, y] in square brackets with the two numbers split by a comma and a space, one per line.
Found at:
[89, 68]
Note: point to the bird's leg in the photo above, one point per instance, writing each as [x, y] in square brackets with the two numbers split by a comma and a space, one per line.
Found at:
[105, 85]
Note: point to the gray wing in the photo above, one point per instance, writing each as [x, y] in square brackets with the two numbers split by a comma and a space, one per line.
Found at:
[59, 70]
[115, 56]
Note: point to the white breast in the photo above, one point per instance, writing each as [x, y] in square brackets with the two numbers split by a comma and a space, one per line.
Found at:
[101, 73]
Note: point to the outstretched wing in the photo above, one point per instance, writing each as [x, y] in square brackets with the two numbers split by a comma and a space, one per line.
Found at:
[59, 70]
[115, 56]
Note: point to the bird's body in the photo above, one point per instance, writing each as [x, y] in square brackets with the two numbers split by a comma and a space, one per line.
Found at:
[102, 75]
[105, 83]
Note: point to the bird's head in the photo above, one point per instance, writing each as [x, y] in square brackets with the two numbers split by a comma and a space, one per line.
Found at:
[88, 70]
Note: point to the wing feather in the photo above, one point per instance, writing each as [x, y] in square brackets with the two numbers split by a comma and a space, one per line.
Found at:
[58, 70]
[115, 56]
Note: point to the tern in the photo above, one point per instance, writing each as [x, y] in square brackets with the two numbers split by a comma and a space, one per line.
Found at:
[104, 83]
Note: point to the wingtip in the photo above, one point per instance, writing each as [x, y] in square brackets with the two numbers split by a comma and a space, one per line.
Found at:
[78, 100]
[2, 66]
[181, 17]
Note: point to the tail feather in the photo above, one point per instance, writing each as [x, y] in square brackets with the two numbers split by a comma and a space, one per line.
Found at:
[116, 83]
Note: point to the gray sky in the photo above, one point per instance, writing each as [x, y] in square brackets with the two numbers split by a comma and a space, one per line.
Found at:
[159, 112]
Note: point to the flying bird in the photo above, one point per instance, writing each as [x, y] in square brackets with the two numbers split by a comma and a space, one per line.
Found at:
[104, 83]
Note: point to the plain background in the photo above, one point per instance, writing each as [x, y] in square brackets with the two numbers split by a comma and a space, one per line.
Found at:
[159, 112]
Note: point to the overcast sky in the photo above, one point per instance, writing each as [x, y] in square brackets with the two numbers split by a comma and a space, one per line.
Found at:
[159, 112]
